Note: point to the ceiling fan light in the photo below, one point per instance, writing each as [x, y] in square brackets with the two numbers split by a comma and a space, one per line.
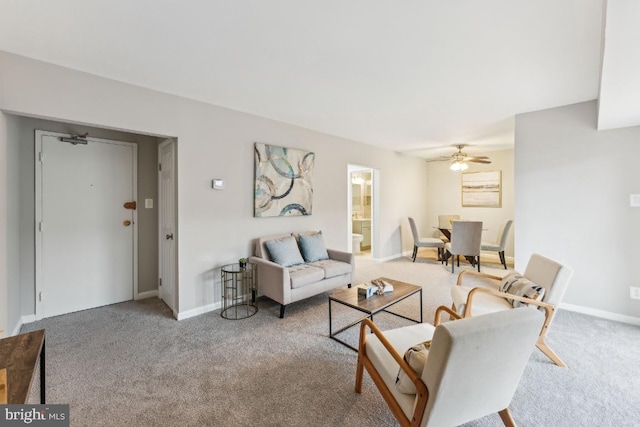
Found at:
[459, 166]
[463, 166]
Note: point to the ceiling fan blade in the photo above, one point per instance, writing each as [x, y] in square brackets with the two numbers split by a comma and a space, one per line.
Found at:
[439, 159]
[476, 157]
[477, 160]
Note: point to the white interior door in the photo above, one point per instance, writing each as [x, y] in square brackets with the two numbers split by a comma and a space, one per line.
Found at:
[85, 244]
[167, 222]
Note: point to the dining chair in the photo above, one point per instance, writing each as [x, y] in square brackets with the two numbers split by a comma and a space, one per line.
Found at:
[445, 221]
[500, 244]
[466, 237]
[480, 293]
[473, 366]
[424, 242]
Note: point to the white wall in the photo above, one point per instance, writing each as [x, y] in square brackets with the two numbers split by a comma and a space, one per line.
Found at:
[216, 227]
[572, 190]
[444, 196]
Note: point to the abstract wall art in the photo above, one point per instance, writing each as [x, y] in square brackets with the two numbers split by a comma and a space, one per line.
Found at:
[283, 181]
[482, 189]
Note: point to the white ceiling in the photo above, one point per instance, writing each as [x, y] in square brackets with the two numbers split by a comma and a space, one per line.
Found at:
[406, 75]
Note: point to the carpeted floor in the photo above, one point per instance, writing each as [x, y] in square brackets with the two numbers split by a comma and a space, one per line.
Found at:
[132, 364]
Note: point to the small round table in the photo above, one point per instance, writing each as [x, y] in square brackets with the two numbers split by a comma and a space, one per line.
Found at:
[239, 291]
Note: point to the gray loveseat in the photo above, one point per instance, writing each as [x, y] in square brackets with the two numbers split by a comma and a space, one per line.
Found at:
[295, 266]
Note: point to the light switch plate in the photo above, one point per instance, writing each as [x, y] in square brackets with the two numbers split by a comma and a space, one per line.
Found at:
[634, 200]
[148, 203]
[217, 184]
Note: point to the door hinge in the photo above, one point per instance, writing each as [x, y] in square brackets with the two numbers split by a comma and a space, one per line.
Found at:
[160, 282]
[40, 226]
[160, 167]
[40, 156]
[40, 296]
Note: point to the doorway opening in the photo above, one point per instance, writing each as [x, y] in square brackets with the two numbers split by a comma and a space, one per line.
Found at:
[362, 211]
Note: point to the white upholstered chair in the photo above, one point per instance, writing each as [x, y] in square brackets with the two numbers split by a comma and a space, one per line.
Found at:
[466, 237]
[473, 366]
[424, 242]
[500, 244]
[478, 293]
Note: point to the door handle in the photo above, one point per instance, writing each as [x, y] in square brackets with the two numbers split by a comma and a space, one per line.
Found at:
[169, 236]
[126, 223]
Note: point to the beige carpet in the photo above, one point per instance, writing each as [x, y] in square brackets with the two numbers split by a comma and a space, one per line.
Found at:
[131, 364]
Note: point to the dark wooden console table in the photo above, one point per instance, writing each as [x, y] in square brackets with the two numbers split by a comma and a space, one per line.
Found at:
[19, 355]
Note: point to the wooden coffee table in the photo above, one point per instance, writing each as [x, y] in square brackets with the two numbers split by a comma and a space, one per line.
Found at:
[372, 305]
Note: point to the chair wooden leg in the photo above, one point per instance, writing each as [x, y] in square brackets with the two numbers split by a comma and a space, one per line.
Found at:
[359, 374]
[506, 418]
[543, 347]
[282, 306]
[478, 263]
[415, 252]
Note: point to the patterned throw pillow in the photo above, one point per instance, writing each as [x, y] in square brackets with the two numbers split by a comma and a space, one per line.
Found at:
[313, 248]
[516, 284]
[284, 251]
[416, 357]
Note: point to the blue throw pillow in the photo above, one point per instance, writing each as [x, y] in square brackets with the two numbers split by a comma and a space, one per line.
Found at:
[284, 251]
[313, 248]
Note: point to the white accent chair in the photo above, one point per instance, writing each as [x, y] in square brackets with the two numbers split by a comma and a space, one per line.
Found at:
[478, 293]
[424, 242]
[500, 244]
[466, 238]
[473, 367]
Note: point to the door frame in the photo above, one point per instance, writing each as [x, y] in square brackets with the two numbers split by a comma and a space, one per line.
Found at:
[176, 234]
[375, 208]
[38, 158]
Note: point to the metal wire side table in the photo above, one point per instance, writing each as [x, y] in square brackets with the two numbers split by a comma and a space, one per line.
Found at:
[239, 291]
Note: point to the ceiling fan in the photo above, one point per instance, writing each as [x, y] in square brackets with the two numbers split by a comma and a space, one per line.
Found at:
[459, 159]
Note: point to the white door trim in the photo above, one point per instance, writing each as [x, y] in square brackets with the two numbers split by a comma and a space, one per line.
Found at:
[38, 212]
[161, 236]
[375, 208]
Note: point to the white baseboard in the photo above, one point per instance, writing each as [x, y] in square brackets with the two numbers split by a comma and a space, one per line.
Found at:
[601, 314]
[147, 294]
[198, 311]
[23, 320]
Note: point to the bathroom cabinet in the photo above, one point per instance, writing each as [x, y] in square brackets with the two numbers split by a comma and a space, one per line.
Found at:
[363, 226]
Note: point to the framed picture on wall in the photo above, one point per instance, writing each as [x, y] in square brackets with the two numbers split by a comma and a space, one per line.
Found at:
[482, 189]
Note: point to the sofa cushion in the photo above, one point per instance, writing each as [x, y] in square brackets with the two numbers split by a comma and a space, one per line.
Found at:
[313, 247]
[516, 284]
[304, 274]
[332, 268]
[284, 251]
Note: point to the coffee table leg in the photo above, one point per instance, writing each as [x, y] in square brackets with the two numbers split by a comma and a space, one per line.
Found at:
[42, 373]
[330, 329]
[420, 305]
